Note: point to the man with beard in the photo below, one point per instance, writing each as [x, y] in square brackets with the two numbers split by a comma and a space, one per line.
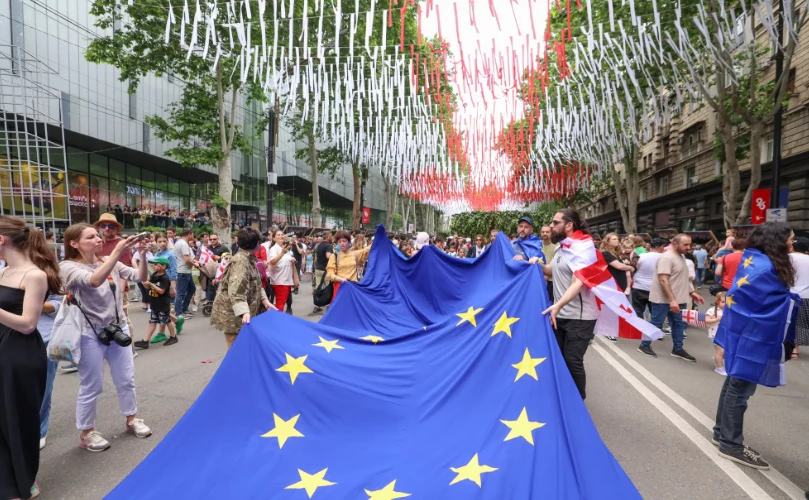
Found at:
[548, 247]
[527, 245]
[574, 312]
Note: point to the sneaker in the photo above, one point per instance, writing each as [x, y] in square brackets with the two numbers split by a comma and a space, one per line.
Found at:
[721, 371]
[317, 310]
[194, 309]
[685, 335]
[42, 442]
[745, 456]
[170, 341]
[71, 368]
[666, 330]
[289, 310]
[134, 354]
[715, 442]
[138, 429]
[94, 442]
[188, 315]
[647, 350]
[142, 344]
[612, 339]
[683, 355]
[179, 324]
[160, 337]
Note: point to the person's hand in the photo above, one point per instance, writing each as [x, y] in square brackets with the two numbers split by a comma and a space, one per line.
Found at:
[245, 318]
[627, 291]
[553, 311]
[126, 244]
[534, 260]
[268, 305]
[519, 257]
[674, 307]
[697, 298]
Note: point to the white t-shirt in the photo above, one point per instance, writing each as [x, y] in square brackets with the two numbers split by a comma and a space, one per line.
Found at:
[281, 273]
[692, 273]
[800, 261]
[713, 312]
[136, 256]
[642, 279]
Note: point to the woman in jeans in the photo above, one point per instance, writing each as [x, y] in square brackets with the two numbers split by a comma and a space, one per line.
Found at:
[92, 282]
[30, 276]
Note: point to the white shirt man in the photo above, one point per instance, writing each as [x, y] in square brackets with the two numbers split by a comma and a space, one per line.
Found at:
[644, 275]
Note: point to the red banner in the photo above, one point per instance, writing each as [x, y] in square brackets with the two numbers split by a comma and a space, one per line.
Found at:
[761, 202]
[366, 215]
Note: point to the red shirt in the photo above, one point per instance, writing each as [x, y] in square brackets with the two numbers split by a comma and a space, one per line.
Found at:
[260, 253]
[107, 248]
[730, 263]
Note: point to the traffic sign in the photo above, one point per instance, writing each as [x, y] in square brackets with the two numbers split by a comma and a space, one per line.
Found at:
[776, 215]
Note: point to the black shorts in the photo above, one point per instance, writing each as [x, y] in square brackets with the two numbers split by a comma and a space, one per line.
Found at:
[161, 318]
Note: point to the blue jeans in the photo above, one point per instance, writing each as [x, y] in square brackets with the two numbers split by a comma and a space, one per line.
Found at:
[185, 291]
[659, 314]
[45, 410]
[700, 275]
[730, 413]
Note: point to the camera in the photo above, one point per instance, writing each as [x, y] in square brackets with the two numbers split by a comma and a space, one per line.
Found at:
[114, 333]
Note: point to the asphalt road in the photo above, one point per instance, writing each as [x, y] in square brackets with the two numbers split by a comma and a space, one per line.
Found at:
[654, 414]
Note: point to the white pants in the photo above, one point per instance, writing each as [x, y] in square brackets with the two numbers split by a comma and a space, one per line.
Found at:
[91, 378]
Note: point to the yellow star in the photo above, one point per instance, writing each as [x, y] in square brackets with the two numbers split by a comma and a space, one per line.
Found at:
[469, 316]
[743, 281]
[504, 325]
[386, 493]
[747, 261]
[328, 344]
[283, 429]
[294, 366]
[522, 427]
[310, 482]
[372, 338]
[729, 301]
[528, 366]
[471, 471]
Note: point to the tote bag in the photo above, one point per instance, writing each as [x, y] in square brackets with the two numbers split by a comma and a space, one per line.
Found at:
[65, 343]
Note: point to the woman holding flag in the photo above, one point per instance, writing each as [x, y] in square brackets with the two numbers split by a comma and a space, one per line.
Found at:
[758, 334]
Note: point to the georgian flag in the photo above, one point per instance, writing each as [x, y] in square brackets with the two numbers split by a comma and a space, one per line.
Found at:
[205, 255]
[616, 314]
[221, 270]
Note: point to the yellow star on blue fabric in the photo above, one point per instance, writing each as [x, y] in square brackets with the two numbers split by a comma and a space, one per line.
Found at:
[284, 429]
[471, 471]
[387, 493]
[310, 482]
[469, 316]
[373, 338]
[504, 325]
[294, 367]
[743, 281]
[527, 366]
[522, 427]
[729, 301]
[328, 344]
[748, 261]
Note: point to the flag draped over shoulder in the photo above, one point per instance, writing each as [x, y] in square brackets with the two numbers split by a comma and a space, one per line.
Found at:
[434, 378]
[615, 311]
[759, 316]
[530, 247]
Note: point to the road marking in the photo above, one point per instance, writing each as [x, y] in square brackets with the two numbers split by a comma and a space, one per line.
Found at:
[789, 488]
[753, 490]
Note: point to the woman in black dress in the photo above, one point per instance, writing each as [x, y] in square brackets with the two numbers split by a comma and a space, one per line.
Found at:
[30, 276]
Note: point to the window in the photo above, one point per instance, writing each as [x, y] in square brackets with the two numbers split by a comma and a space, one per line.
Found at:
[117, 170]
[147, 132]
[691, 177]
[170, 76]
[116, 22]
[76, 160]
[767, 148]
[663, 186]
[133, 174]
[98, 165]
[17, 34]
[791, 82]
[66, 110]
[643, 193]
[160, 182]
[133, 105]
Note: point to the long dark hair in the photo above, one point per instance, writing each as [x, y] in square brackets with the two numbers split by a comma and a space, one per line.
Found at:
[32, 243]
[770, 239]
[570, 215]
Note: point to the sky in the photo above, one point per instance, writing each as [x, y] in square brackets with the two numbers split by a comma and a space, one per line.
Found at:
[485, 105]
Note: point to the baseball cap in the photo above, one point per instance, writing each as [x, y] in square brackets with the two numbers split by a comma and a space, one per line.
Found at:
[160, 260]
[526, 219]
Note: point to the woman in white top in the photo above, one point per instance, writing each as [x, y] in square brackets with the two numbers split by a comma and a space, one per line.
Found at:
[282, 266]
[800, 261]
[92, 282]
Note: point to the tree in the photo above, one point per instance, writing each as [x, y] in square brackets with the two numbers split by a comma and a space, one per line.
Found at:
[203, 122]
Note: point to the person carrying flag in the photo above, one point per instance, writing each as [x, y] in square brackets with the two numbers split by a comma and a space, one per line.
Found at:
[527, 245]
[757, 332]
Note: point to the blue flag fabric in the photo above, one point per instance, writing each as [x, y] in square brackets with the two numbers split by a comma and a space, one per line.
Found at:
[759, 316]
[435, 378]
[530, 247]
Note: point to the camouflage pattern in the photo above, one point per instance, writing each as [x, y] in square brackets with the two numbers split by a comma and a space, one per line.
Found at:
[239, 292]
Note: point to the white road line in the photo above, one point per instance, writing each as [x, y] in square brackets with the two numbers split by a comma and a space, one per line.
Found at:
[782, 482]
[753, 490]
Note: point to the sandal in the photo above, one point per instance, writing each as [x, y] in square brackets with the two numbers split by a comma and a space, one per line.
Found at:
[794, 355]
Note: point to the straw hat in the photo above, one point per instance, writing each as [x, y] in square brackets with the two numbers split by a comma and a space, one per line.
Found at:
[108, 218]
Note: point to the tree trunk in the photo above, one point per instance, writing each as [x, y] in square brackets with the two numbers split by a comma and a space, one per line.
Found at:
[731, 180]
[317, 220]
[356, 210]
[390, 205]
[220, 217]
[756, 130]
[405, 214]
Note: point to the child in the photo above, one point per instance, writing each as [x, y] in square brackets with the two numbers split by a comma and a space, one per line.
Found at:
[158, 287]
[712, 318]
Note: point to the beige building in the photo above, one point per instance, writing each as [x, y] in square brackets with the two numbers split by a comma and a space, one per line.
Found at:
[680, 178]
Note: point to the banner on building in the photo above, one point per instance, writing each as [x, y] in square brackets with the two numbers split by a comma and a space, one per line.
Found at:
[761, 202]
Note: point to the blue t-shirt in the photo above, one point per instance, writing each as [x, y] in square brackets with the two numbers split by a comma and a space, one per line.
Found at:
[701, 256]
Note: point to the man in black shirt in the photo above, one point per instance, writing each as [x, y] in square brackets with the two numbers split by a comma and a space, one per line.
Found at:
[216, 247]
[323, 252]
[159, 287]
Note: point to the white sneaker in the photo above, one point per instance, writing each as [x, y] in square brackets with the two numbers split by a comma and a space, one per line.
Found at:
[42, 442]
[721, 371]
[138, 429]
[94, 442]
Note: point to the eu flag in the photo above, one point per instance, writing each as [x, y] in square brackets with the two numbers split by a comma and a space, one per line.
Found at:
[435, 378]
[759, 316]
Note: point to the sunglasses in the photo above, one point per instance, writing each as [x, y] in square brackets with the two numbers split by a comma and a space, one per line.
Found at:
[108, 226]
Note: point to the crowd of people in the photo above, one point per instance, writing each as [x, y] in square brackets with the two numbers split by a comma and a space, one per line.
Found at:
[84, 284]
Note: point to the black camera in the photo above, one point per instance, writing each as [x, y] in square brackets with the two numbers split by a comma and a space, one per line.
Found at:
[114, 333]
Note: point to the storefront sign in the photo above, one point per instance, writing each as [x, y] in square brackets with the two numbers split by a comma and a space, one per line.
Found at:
[760, 204]
[139, 191]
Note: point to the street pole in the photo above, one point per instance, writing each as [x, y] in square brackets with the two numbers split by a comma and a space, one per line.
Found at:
[775, 187]
[362, 198]
[270, 165]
